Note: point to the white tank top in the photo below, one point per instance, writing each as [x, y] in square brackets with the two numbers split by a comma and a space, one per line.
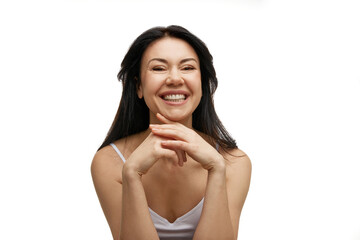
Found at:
[183, 228]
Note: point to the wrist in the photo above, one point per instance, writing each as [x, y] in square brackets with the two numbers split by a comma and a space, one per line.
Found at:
[130, 173]
[217, 165]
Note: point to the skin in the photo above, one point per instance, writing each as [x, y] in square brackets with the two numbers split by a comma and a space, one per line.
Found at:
[170, 167]
[170, 64]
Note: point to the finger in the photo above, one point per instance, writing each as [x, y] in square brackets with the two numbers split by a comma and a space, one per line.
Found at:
[170, 125]
[177, 145]
[172, 155]
[169, 132]
[184, 156]
[180, 157]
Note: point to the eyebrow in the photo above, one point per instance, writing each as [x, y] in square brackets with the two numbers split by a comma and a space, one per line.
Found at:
[165, 61]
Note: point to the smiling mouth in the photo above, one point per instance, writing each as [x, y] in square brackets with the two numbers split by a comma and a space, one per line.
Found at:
[174, 97]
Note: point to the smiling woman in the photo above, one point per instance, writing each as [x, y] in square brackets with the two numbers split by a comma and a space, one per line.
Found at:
[168, 169]
[170, 80]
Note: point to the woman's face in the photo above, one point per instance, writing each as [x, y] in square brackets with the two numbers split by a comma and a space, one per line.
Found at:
[170, 80]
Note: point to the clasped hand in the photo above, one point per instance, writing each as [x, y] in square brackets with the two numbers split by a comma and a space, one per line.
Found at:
[172, 140]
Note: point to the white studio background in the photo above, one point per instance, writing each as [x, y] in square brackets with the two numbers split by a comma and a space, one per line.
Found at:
[289, 92]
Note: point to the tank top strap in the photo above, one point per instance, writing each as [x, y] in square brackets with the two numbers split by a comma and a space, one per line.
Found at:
[118, 151]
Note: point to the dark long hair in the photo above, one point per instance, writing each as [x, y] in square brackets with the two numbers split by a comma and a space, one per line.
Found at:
[133, 114]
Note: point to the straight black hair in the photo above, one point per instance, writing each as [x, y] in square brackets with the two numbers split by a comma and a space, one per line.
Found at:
[133, 114]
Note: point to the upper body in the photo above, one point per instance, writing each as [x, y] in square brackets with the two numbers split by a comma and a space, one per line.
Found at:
[171, 166]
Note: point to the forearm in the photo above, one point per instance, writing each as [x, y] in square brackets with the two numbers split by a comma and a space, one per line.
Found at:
[215, 221]
[136, 221]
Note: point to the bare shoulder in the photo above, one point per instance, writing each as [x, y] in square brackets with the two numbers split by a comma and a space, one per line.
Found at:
[238, 174]
[106, 168]
[106, 162]
[237, 162]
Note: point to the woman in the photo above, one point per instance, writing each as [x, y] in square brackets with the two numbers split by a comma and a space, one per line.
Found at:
[168, 169]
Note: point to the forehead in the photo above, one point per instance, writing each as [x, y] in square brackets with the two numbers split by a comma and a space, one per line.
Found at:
[169, 48]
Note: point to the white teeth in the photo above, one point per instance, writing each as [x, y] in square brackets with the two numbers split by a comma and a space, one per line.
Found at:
[175, 97]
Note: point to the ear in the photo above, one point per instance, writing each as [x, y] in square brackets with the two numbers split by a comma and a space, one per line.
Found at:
[139, 88]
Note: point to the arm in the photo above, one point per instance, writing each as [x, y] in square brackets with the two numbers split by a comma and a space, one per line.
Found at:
[225, 195]
[136, 221]
[106, 174]
[228, 181]
[215, 221]
[120, 190]
[122, 197]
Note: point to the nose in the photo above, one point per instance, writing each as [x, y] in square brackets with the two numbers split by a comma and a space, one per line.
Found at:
[174, 78]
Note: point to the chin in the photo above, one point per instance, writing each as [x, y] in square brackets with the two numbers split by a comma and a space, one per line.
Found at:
[174, 117]
[182, 118]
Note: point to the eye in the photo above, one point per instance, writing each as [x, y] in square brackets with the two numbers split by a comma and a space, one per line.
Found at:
[188, 68]
[158, 68]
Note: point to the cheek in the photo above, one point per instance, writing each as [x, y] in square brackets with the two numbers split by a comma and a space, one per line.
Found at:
[148, 92]
[150, 87]
[195, 84]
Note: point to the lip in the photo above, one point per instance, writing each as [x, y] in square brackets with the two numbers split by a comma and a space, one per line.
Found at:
[175, 92]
